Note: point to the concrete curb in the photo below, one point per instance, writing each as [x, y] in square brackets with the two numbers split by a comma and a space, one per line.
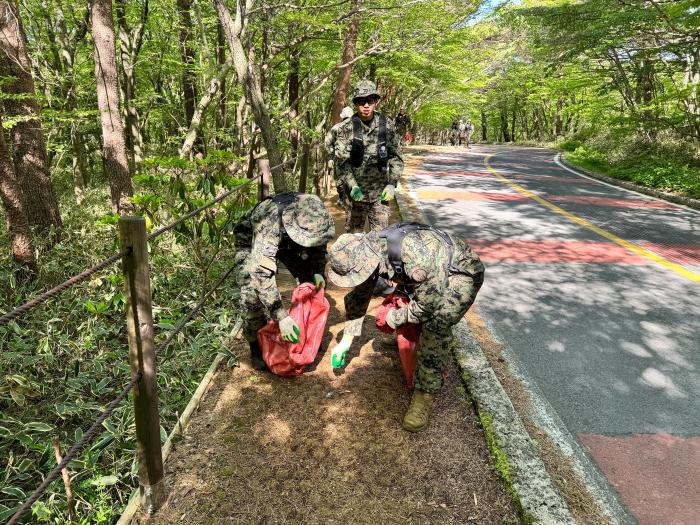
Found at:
[535, 490]
[677, 199]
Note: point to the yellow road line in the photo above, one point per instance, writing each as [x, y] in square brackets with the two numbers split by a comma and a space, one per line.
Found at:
[612, 237]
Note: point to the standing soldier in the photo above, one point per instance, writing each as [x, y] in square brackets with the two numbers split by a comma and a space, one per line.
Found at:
[441, 275]
[329, 142]
[293, 228]
[367, 160]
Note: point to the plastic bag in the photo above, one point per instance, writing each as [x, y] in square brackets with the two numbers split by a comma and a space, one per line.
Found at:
[309, 311]
[407, 335]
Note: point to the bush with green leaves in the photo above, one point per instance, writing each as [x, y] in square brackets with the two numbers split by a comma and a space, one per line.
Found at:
[66, 359]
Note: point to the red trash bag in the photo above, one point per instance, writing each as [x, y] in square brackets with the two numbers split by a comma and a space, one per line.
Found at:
[407, 335]
[408, 137]
[309, 311]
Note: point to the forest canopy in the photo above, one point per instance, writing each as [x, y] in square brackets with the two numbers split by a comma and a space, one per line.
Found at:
[155, 107]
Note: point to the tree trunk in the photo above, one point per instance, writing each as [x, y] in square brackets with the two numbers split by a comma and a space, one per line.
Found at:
[558, 117]
[484, 126]
[304, 171]
[28, 149]
[130, 44]
[340, 96]
[234, 29]
[17, 225]
[294, 100]
[189, 86]
[115, 162]
[221, 60]
[197, 118]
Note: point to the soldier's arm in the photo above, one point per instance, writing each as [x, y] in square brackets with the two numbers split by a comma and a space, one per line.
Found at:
[343, 143]
[264, 259]
[317, 259]
[395, 167]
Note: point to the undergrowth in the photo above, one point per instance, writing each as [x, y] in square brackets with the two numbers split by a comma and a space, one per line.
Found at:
[66, 359]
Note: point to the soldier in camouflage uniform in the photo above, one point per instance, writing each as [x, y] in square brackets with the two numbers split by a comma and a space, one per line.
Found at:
[293, 228]
[367, 166]
[441, 275]
[329, 142]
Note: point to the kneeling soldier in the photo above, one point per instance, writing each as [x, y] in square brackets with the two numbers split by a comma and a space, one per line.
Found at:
[293, 228]
[441, 275]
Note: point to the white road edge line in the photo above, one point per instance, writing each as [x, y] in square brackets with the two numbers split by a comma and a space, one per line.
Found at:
[561, 165]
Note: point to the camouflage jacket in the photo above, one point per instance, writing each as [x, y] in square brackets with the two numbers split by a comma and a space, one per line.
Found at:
[424, 255]
[368, 176]
[329, 142]
[258, 233]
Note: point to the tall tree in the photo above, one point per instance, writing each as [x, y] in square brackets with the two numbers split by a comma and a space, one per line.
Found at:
[20, 236]
[340, 96]
[234, 30]
[28, 147]
[116, 164]
[189, 83]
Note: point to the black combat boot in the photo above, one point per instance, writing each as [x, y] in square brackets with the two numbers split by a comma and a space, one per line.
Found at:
[256, 358]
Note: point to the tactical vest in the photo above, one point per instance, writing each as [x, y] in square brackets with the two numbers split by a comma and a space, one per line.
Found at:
[394, 236]
[357, 150]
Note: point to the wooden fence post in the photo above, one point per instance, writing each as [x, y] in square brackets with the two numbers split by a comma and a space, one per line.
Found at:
[264, 188]
[142, 357]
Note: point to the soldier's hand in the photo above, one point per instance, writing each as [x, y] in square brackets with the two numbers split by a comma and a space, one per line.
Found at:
[388, 193]
[289, 330]
[356, 193]
[338, 352]
[319, 281]
[391, 318]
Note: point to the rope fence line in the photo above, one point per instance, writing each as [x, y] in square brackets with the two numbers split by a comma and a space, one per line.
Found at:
[92, 431]
[9, 316]
[135, 251]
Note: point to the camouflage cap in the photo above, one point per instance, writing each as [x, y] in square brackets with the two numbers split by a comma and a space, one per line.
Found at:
[365, 88]
[347, 112]
[307, 222]
[353, 259]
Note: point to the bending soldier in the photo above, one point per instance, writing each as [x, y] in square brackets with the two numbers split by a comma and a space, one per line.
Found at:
[293, 228]
[368, 161]
[441, 275]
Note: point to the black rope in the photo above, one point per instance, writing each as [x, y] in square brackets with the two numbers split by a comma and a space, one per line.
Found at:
[92, 431]
[5, 318]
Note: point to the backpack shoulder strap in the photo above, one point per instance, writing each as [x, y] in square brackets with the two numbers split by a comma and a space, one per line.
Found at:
[394, 236]
[357, 150]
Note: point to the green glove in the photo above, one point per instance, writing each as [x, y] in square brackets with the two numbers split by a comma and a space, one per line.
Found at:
[289, 330]
[338, 352]
[319, 281]
[356, 193]
[388, 193]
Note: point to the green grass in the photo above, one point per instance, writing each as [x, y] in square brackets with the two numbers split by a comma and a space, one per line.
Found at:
[502, 465]
[649, 170]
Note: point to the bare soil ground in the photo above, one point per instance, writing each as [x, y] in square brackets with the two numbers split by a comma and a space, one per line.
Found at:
[327, 447]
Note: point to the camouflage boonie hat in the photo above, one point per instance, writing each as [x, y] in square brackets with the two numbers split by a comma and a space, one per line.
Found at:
[353, 259]
[307, 222]
[365, 88]
[347, 112]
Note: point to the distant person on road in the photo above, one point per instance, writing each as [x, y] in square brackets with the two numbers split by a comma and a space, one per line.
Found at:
[403, 126]
[290, 227]
[468, 130]
[329, 142]
[367, 159]
[441, 275]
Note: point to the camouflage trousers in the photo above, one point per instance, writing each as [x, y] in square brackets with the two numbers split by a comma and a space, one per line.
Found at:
[433, 351]
[254, 313]
[377, 213]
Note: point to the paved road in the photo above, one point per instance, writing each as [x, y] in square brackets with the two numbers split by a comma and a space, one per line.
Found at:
[595, 291]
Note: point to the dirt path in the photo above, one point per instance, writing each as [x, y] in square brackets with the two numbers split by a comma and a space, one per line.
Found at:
[327, 447]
